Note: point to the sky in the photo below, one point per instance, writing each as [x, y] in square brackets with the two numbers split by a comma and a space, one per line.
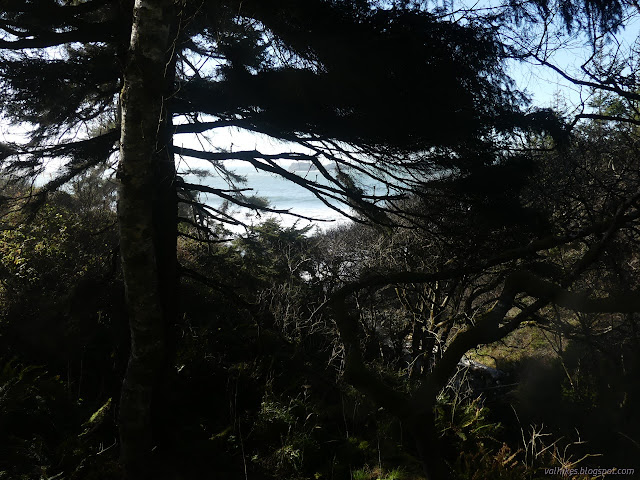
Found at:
[545, 87]
[542, 84]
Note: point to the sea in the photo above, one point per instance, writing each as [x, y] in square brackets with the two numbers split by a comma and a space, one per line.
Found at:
[281, 194]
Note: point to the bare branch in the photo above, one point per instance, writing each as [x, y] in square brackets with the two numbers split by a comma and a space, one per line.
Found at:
[596, 85]
[608, 118]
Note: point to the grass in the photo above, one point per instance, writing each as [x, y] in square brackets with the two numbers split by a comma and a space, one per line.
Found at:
[521, 344]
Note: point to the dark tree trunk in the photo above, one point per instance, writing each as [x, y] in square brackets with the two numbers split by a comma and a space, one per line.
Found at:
[417, 413]
[418, 354]
[146, 278]
[425, 436]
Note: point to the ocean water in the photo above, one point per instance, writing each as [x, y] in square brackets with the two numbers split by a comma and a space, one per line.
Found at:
[281, 194]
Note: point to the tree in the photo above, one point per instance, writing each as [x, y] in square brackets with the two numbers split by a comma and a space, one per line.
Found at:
[147, 262]
[484, 283]
[599, 219]
[307, 73]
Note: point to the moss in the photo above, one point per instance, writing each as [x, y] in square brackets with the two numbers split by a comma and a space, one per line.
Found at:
[521, 344]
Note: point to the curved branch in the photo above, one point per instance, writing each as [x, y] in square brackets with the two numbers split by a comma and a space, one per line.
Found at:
[378, 281]
[356, 372]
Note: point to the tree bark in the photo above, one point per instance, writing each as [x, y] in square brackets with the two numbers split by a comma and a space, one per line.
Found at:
[141, 143]
[423, 430]
[165, 223]
[418, 418]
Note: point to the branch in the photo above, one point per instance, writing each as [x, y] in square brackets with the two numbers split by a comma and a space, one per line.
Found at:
[200, 127]
[96, 33]
[105, 140]
[525, 282]
[356, 372]
[247, 155]
[608, 118]
[205, 240]
[377, 281]
[209, 282]
[323, 192]
[488, 330]
[218, 215]
[241, 203]
[585, 83]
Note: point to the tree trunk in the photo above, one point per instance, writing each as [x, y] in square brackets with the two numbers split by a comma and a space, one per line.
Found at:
[417, 354]
[165, 222]
[140, 146]
[423, 430]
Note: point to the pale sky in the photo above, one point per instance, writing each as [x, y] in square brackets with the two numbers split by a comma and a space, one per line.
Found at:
[544, 85]
[539, 82]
